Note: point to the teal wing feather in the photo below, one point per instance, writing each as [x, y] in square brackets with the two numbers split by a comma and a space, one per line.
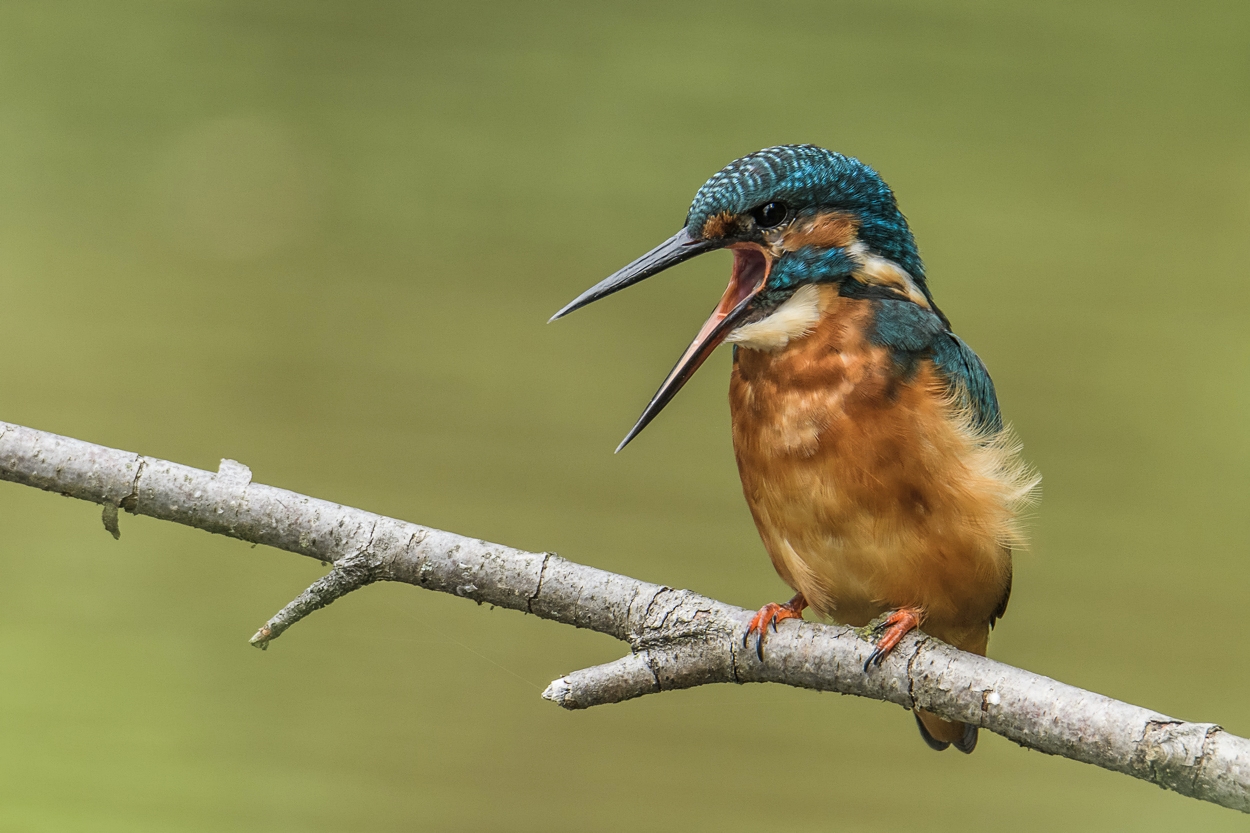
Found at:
[912, 333]
[962, 366]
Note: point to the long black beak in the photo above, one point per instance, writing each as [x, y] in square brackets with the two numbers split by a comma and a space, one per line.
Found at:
[676, 249]
[750, 271]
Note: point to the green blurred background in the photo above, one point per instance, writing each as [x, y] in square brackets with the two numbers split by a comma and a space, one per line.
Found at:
[323, 238]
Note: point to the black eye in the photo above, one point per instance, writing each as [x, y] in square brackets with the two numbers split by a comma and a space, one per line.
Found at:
[770, 215]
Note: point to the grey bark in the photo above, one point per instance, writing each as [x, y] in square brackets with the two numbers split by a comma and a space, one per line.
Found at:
[678, 639]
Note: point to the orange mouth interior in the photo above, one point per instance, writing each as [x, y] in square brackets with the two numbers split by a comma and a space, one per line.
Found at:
[750, 271]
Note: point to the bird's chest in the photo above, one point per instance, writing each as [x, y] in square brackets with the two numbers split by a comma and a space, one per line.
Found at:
[853, 471]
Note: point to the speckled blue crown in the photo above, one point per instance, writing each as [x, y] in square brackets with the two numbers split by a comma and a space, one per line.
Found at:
[810, 178]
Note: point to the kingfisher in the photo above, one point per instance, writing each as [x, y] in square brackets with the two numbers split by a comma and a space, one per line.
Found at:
[869, 441]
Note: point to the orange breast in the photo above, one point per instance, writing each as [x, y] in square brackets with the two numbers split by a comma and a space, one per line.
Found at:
[871, 491]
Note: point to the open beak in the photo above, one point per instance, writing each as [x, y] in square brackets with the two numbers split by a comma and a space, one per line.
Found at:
[750, 271]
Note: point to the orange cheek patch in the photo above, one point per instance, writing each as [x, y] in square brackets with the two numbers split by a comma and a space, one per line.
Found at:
[835, 230]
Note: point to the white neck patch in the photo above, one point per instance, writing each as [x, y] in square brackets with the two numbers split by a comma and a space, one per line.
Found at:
[795, 318]
[884, 272]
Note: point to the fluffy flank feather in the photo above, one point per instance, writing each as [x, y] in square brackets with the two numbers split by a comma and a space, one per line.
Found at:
[999, 474]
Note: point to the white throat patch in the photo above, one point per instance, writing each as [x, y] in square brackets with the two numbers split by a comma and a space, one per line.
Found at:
[795, 318]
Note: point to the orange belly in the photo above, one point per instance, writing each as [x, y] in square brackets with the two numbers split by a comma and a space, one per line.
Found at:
[873, 491]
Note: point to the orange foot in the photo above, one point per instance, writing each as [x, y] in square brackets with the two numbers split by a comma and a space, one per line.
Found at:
[897, 625]
[771, 614]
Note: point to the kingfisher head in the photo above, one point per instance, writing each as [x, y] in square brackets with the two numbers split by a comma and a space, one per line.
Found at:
[794, 216]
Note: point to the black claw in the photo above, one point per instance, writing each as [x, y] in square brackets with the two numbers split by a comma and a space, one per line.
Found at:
[774, 625]
[759, 645]
[879, 629]
[875, 658]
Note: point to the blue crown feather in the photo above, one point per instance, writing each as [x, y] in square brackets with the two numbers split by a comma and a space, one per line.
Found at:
[808, 178]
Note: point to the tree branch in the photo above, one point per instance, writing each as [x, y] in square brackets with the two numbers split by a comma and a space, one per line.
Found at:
[678, 639]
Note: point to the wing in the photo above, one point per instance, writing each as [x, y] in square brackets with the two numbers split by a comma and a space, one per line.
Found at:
[913, 332]
[967, 374]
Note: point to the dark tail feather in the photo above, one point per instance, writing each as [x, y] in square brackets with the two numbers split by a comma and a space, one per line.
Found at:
[934, 744]
[965, 744]
[969, 741]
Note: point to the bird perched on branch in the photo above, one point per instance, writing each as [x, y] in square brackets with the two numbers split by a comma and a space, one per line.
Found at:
[868, 435]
